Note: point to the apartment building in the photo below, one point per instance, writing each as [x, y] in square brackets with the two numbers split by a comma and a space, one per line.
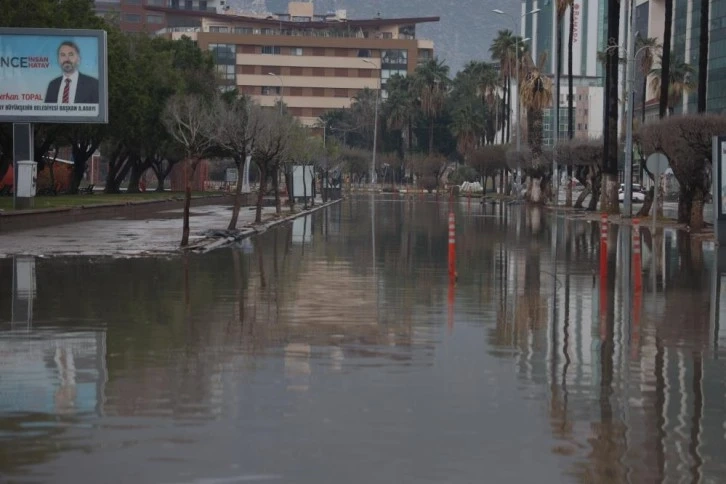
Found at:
[132, 16]
[312, 62]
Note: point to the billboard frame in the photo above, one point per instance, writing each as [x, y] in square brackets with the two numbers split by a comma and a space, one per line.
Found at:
[102, 38]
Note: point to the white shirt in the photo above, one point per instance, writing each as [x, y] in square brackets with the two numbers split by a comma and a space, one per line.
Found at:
[72, 88]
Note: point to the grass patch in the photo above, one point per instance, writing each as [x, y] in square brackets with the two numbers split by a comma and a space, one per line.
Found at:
[68, 201]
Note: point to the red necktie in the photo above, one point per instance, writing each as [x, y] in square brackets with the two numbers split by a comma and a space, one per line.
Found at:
[67, 92]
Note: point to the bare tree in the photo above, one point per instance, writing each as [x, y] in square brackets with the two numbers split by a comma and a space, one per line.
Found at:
[188, 119]
[686, 141]
[238, 124]
[271, 146]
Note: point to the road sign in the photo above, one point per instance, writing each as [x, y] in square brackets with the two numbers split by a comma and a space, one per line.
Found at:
[230, 176]
[657, 163]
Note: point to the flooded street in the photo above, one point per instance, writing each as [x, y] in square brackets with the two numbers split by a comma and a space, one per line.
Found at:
[335, 349]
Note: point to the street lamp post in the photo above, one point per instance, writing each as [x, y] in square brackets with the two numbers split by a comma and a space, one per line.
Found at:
[282, 89]
[375, 125]
[518, 26]
[630, 88]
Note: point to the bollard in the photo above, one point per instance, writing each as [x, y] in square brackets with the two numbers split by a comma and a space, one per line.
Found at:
[452, 246]
[637, 269]
[603, 274]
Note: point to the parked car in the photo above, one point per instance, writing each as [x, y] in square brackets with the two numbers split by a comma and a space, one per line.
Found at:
[638, 194]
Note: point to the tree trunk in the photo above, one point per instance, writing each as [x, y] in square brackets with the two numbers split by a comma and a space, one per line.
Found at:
[696, 215]
[276, 189]
[595, 186]
[431, 136]
[703, 59]
[505, 94]
[685, 205]
[290, 189]
[581, 199]
[305, 187]
[535, 191]
[261, 194]
[609, 196]
[191, 167]
[509, 108]
[647, 204]
[237, 196]
[666, 59]
[135, 177]
[643, 101]
[160, 179]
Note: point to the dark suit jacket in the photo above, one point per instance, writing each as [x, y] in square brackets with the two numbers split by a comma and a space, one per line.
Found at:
[86, 91]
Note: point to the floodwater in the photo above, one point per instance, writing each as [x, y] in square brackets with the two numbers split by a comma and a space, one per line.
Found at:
[335, 349]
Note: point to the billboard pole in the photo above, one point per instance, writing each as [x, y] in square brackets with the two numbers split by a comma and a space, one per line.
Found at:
[23, 149]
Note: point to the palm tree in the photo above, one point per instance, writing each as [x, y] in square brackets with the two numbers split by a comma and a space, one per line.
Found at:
[487, 81]
[431, 83]
[650, 49]
[399, 108]
[703, 58]
[570, 96]
[467, 124]
[503, 50]
[680, 78]
[666, 57]
[536, 95]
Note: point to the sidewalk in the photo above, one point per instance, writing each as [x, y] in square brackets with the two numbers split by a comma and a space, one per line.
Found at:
[123, 237]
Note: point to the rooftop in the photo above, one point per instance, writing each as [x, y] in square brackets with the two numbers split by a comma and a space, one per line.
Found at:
[316, 22]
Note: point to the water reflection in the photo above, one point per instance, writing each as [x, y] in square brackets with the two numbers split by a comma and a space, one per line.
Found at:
[337, 348]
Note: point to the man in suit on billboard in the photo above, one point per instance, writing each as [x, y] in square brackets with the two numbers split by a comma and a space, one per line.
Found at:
[72, 86]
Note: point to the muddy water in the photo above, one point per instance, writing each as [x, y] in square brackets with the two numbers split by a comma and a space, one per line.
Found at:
[334, 349]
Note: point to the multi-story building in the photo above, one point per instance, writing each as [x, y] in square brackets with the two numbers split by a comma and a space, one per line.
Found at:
[311, 62]
[132, 15]
[685, 46]
[588, 76]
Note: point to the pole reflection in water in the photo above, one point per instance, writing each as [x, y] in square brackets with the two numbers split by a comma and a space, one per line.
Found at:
[275, 358]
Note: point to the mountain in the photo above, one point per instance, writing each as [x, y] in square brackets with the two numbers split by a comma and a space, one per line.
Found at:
[465, 32]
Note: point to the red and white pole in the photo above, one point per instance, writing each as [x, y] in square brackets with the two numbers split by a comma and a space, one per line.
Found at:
[603, 274]
[452, 246]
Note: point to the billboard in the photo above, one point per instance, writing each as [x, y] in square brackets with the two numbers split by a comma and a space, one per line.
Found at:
[53, 76]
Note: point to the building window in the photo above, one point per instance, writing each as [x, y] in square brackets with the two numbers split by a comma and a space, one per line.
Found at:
[300, 19]
[243, 30]
[157, 3]
[203, 5]
[188, 4]
[296, 51]
[364, 53]
[154, 19]
[223, 53]
[267, 31]
[226, 72]
[270, 50]
[579, 127]
[132, 18]
[387, 73]
[132, 2]
[174, 3]
[398, 56]
[270, 90]
[218, 28]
